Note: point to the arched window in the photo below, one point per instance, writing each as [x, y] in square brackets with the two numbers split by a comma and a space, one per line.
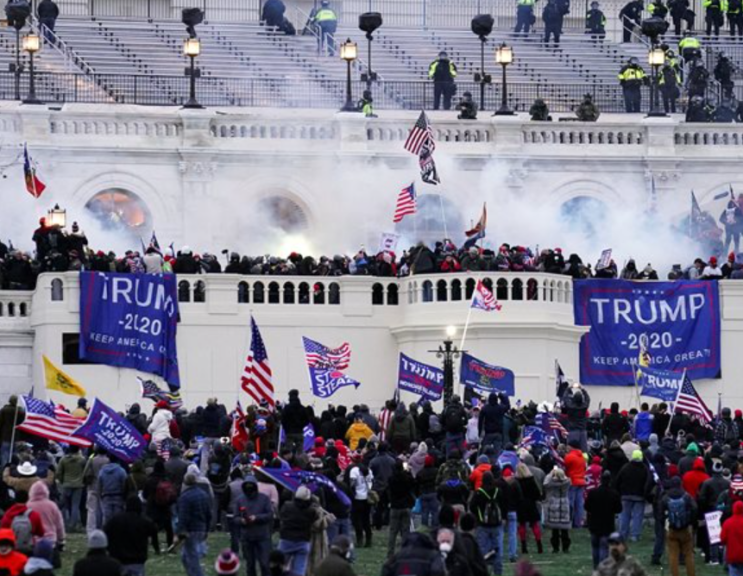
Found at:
[456, 290]
[393, 296]
[318, 293]
[427, 295]
[304, 293]
[57, 290]
[517, 289]
[199, 291]
[377, 294]
[289, 293]
[184, 291]
[441, 291]
[273, 293]
[259, 293]
[501, 292]
[335, 293]
[243, 293]
[121, 211]
[532, 289]
[470, 288]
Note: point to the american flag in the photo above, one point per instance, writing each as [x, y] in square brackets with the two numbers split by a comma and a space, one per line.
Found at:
[51, 422]
[319, 356]
[406, 203]
[153, 392]
[549, 423]
[163, 449]
[420, 135]
[483, 299]
[689, 402]
[257, 378]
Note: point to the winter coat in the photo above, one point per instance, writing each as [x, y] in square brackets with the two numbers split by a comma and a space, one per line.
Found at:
[71, 470]
[97, 563]
[37, 526]
[334, 565]
[491, 415]
[732, 535]
[528, 507]
[615, 460]
[634, 481]
[356, 432]
[129, 535]
[194, 510]
[8, 419]
[575, 467]
[401, 431]
[614, 427]
[383, 467]
[602, 506]
[575, 406]
[402, 490]
[112, 481]
[259, 506]
[14, 562]
[476, 476]
[694, 478]
[556, 503]
[709, 492]
[297, 517]
[51, 517]
[160, 428]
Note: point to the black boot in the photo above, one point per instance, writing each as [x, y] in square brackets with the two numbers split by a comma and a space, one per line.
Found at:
[524, 549]
[540, 549]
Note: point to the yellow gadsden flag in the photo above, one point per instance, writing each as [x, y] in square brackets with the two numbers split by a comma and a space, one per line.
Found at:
[58, 380]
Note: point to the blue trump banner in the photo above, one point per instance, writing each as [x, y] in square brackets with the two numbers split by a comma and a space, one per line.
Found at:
[293, 479]
[660, 384]
[676, 323]
[112, 432]
[419, 378]
[130, 321]
[485, 377]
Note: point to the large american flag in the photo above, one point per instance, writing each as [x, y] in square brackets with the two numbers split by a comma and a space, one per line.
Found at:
[51, 422]
[483, 298]
[257, 378]
[406, 203]
[319, 356]
[691, 403]
[420, 135]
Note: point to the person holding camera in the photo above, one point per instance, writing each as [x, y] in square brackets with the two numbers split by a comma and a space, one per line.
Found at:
[467, 107]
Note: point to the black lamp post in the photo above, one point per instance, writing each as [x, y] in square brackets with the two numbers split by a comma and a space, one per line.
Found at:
[656, 59]
[369, 22]
[482, 25]
[448, 352]
[504, 57]
[31, 44]
[349, 53]
[192, 48]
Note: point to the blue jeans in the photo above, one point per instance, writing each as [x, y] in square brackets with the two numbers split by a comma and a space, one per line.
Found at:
[71, 498]
[430, 510]
[490, 538]
[194, 549]
[631, 520]
[257, 551]
[495, 440]
[575, 495]
[110, 507]
[4, 454]
[735, 569]
[132, 570]
[660, 533]
[341, 526]
[513, 536]
[297, 554]
[599, 548]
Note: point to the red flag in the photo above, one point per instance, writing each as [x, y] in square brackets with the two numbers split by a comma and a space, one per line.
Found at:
[34, 186]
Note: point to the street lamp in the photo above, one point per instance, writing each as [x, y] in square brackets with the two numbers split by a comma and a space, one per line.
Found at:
[504, 57]
[349, 53]
[192, 48]
[482, 26]
[448, 353]
[369, 22]
[56, 217]
[656, 59]
[31, 44]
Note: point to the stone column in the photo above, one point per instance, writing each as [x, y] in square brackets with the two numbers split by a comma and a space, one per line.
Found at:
[197, 177]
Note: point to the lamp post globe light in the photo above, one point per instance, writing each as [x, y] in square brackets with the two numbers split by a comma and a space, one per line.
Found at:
[31, 44]
[504, 57]
[447, 352]
[56, 217]
[656, 59]
[192, 49]
[349, 53]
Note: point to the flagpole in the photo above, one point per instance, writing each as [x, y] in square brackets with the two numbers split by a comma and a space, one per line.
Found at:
[469, 312]
[443, 216]
[675, 402]
[12, 434]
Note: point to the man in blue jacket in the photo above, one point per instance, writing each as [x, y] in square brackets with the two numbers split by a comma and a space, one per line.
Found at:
[254, 513]
[490, 422]
[194, 518]
[112, 488]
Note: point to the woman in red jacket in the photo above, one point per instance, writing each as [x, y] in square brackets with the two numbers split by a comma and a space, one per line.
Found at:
[732, 539]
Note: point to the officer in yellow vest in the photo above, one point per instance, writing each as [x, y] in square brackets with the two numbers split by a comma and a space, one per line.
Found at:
[524, 15]
[632, 77]
[669, 85]
[690, 47]
[714, 14]
[443, 72]
[735, 17]
[326, 23]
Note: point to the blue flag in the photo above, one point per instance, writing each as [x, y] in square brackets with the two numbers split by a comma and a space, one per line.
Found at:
[419, 378]
[325, 367]
[130, 321]
[112, 432]
[293, 479]
[309, 438]
[485, 377]
[534, 435]
[660, 384]
[678, 323]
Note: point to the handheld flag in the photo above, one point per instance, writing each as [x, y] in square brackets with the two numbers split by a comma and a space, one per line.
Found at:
[324, 366]
[419, 378]
[293, 479]
[478, 232]
[561, 383]
[661, 384]
[695, 216]
[483, 299]
[406, 203]
[308, 435]
[48, 421]
[689, 402]
[605, 259]
[257, 378]
[59, 381]
[421, 135]
[34, 186]
[429, 174]
[114, 433]
[152, 391]
[155, 244]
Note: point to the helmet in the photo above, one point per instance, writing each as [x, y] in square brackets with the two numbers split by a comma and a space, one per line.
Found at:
[443, 54]
[634, 60]
[325, 3]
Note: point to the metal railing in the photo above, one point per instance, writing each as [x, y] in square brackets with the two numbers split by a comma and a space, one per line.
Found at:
[264, 92]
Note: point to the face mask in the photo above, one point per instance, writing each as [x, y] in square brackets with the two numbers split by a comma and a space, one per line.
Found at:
[251, 490]
[445, 547]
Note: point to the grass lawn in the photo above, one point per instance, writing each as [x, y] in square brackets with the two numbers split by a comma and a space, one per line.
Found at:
[369, 560]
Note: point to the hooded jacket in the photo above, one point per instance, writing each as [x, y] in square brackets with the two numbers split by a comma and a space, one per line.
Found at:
[694, 478]
[297, 517]
[37, 528]
[14, 561]
[112, 481]
[51, 517]
[732, 535]
[491, 415]
[160, 427]
[634, 481]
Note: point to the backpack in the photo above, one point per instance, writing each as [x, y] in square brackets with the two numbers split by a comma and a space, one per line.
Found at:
[491, 515]
[678, 513]
[453, 419]
[21, 526]
[434, 424]
[165, 493]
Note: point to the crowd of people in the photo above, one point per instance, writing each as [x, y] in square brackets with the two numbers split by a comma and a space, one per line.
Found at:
[481, 483]
[58, 250]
